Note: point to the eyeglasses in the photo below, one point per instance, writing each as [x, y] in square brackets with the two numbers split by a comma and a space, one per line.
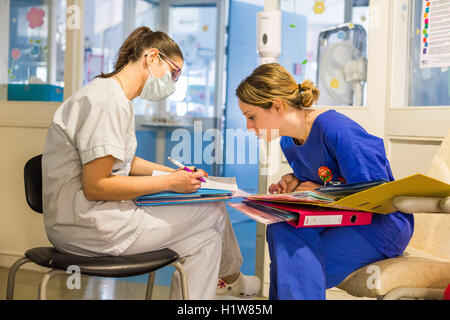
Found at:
[174, 74]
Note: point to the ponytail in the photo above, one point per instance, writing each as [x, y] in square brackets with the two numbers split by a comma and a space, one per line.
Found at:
[138, 41]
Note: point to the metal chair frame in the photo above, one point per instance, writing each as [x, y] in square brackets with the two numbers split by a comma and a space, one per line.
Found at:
[42, 292]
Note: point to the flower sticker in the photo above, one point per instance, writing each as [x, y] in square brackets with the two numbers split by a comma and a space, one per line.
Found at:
[15, 54]
[35, 17]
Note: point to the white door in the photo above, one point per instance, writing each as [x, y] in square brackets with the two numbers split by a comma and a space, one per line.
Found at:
[418, 113]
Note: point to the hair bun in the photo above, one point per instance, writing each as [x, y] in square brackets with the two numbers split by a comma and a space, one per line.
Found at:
[309, 93]
[270, 82]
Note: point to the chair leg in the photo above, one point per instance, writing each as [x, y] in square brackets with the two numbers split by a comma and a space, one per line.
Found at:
[184, 285]
[42, 293]
[12, 277]
[150, 282]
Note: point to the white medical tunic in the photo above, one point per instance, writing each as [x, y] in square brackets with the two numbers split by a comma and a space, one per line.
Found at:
[95, 122]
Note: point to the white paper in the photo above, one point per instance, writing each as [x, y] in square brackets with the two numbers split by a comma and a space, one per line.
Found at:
[323, 220]
[221, 183]
[435, 34]
[218, 183]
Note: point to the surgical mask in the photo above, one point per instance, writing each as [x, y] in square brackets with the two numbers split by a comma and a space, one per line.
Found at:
[156, 89]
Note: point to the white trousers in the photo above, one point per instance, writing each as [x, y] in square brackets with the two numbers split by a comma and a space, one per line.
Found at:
[203, 237]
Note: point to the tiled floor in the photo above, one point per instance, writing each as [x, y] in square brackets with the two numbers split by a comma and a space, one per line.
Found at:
[94, 288]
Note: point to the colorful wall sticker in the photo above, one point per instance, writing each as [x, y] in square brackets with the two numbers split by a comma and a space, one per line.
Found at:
[335, 83]
[35, 17]
[15, 55]
[319, 6]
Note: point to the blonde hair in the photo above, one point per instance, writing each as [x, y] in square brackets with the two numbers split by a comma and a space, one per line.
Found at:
[272, 81]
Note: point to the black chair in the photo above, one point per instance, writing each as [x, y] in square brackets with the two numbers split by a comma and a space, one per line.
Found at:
[104, 266]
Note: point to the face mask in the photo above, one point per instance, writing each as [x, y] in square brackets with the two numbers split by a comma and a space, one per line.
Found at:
[156, 89]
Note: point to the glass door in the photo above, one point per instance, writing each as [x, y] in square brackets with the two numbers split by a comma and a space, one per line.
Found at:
[107, 24]
[194, 29]
[196, 107]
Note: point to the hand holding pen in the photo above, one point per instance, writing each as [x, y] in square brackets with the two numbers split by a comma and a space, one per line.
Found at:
[182, 181]
[183, 167]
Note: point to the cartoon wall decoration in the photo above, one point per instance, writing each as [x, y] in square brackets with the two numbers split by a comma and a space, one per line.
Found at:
[319, 6]
[35, 20]
[15, 55]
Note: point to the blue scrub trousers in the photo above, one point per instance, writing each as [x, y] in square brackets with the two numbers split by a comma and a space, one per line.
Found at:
[307, 261]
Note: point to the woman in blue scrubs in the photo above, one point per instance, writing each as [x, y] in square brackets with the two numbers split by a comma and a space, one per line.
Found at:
[307, 261]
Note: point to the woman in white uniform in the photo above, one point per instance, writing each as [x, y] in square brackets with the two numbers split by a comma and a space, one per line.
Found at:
[91, 174]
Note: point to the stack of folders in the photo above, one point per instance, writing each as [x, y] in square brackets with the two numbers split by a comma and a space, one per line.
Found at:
[300, 209]
[340, 191]
[165, 198]
[213, 189]
[340, 205]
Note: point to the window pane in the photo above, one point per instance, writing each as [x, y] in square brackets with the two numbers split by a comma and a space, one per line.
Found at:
[103, 36]
[194, 30]
[107, 24]
[428, 86]
[333, 36]
[35, 68]
[147, 14]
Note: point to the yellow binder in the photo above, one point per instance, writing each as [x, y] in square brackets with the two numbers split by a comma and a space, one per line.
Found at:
[379, 199]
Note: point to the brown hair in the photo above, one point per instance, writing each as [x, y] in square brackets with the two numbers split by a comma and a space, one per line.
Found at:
[139, 40]
[271, 81]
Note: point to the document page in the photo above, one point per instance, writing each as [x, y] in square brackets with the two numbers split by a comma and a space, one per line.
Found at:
[218, 183]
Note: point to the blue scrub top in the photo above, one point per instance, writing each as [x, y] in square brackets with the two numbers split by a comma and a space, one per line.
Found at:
[353, 155]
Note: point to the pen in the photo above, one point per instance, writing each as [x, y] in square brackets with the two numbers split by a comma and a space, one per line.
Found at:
[182, 166]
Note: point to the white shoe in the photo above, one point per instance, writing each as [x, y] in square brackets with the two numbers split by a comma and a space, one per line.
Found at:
[244, 287]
